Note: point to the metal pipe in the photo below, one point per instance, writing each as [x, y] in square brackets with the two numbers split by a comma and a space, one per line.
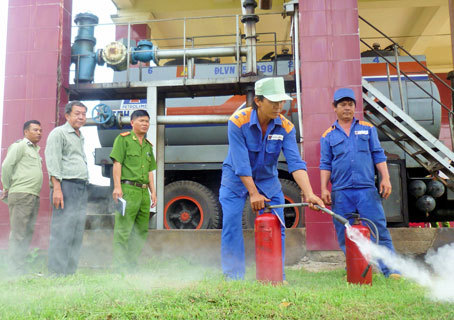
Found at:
[191, 62]
[90, 122]
[160, 170]
[263, 43]
[190, 67]
[187, 18]
[129, 51]
[163, 120]
[247, 33]
[399, 80]
[206, 119]
[199, 52]
[451, 127]
[297, 74]
[237, 43]
[253, 47]
[275, 55]
[152, 134]
[389, 82]
[77, 70]
[248, 8]
[185, 74]
[451, 114]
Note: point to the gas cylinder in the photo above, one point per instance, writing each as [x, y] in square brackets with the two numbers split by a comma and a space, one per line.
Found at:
[358, 269]
[268, 248]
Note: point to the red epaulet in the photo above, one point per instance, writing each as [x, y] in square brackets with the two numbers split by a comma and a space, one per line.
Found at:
[149, 141]
[124, 134]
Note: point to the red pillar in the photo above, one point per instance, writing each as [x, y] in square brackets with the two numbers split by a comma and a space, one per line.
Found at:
[38, 55]
[330, 59]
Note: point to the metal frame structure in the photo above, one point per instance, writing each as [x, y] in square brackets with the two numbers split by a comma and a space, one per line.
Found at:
[399, 72]
[423, 147]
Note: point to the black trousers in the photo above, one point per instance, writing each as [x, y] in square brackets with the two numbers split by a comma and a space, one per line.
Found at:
[67, 228]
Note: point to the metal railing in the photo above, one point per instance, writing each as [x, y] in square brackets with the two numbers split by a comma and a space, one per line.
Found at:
[237, 46]
[396, 66]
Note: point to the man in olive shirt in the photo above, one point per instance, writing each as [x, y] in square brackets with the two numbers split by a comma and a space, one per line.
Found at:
[133, 167]
[22, 178]
[68, 173]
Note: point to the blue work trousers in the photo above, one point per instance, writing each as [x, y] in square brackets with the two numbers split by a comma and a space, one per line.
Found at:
[366, 202]
[232, 243]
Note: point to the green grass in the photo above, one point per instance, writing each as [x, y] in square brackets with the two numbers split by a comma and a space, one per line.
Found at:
[180, 289]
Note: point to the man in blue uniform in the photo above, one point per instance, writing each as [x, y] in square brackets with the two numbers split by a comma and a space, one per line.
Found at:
[350, 152]
[256, 137]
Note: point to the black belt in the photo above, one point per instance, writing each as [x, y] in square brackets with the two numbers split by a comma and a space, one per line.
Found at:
[81, 181]
[135, 184]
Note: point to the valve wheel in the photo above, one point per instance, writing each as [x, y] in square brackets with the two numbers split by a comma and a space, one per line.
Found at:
[103, 113]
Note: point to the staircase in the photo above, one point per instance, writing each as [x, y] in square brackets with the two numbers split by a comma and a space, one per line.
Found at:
[405, 132]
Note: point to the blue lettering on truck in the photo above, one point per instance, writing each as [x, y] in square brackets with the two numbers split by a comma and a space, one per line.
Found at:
[224, 70]
[265, 68]
[231, 70]
[124, 113]
[133, 104]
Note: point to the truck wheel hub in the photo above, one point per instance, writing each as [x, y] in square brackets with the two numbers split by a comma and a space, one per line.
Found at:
[185, 217]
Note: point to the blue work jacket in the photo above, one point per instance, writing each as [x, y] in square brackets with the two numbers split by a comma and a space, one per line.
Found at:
[250, 155]
[351, 159]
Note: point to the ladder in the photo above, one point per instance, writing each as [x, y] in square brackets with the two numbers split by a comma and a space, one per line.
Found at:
[405, 132]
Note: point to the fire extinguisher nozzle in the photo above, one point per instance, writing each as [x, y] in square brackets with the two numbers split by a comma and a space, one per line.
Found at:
[341, 219]
[334, 215]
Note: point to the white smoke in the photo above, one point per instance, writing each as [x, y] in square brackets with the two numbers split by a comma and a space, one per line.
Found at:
[437, 275]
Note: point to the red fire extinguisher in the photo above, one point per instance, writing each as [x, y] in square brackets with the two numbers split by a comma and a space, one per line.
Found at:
[359, 270]
[268, 248]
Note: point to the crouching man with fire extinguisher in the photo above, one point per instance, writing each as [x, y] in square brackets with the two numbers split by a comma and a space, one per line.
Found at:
[350, 150]
[256, 137]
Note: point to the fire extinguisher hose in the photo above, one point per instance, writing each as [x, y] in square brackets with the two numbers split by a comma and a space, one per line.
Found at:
[305, 204]
[339, 218]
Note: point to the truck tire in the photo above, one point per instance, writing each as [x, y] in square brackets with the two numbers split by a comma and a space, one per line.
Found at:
[190, 205]
[294, 217]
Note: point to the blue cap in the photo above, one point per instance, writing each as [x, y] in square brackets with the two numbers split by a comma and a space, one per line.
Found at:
[344, 93]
